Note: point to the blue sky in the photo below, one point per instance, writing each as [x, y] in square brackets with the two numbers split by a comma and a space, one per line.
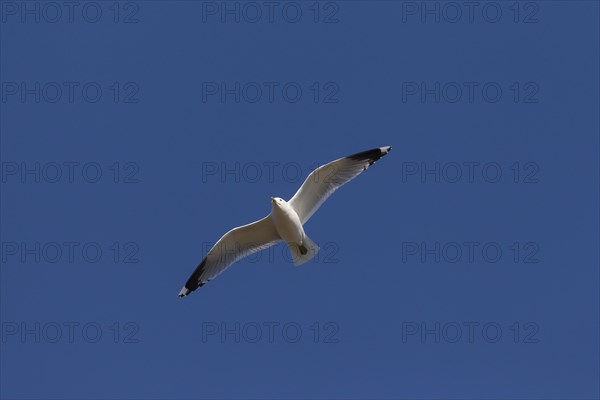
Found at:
[462, 265]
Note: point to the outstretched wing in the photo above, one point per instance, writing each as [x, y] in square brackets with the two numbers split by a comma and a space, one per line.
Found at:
[325, 180]
[238, 243]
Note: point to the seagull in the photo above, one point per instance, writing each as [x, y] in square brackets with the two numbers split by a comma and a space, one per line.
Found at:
[285, 222]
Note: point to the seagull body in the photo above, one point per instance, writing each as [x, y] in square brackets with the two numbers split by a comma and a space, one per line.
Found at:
[285, 222]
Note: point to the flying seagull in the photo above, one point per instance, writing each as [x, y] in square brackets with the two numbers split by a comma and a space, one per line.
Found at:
[285, 220]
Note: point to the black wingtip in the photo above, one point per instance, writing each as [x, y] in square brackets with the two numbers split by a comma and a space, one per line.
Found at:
[195, 281]
[371, 155]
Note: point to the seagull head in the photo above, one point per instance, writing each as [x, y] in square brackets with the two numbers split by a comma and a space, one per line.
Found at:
[277, 201]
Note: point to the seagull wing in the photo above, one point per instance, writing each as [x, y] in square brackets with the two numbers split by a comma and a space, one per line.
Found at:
[325, 180]
[236, 244]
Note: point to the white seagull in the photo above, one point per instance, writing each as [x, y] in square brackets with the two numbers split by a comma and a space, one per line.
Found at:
[285, 220]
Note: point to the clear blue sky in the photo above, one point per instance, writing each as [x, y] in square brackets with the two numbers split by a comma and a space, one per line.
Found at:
[410, 297]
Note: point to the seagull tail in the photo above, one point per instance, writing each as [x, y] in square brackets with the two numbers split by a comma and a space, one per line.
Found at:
[304, 252]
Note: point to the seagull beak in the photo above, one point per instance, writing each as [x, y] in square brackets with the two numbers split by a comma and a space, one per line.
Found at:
[272, 198]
